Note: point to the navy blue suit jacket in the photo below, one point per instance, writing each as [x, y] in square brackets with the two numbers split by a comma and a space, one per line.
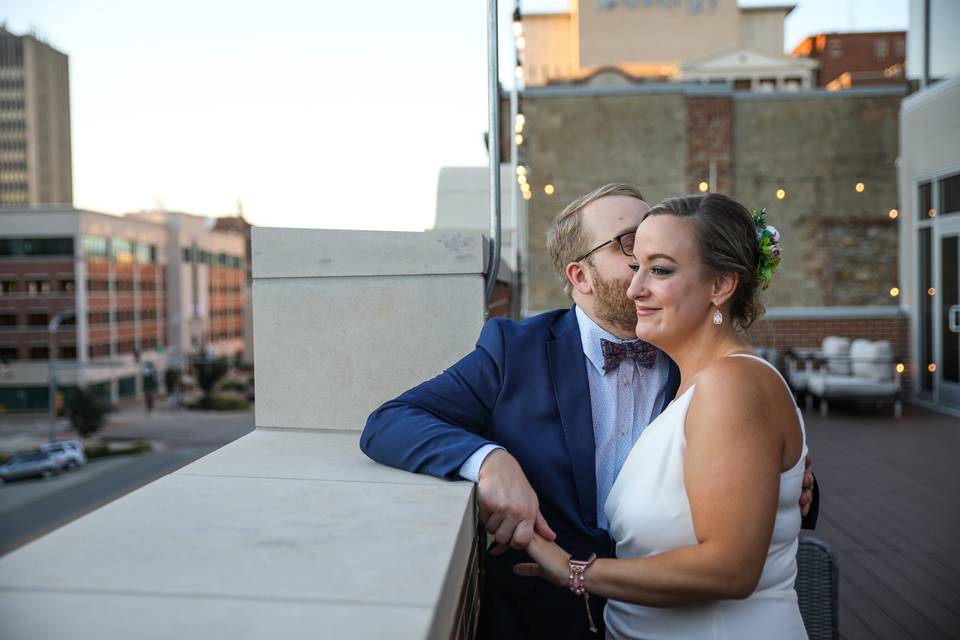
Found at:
[525, 388]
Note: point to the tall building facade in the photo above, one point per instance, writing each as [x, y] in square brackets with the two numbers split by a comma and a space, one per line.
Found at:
[628, 42]
[35, 154]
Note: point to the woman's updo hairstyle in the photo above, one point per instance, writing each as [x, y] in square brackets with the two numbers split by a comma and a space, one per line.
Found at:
[727, 237]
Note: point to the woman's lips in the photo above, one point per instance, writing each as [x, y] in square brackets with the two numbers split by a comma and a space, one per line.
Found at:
[646, 311]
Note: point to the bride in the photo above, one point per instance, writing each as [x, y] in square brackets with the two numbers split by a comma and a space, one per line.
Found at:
[705, 511]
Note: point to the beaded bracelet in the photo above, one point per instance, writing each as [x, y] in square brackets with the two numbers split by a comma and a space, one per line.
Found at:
[577, 569]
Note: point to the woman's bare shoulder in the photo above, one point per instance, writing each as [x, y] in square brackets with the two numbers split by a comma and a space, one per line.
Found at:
[739, 388]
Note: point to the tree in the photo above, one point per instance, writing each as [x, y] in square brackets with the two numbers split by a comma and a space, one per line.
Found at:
[87, 411]
[209, 371]
[171, 379]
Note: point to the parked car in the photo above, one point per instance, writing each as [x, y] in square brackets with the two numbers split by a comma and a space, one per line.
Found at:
[28, 465]
[68, 453]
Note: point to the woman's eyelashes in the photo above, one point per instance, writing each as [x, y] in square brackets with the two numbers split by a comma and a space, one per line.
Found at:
[655, 270]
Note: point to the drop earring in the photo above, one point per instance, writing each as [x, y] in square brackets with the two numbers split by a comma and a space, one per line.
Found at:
[717, 317]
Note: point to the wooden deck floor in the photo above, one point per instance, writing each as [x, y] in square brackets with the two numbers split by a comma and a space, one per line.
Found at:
[890, 507]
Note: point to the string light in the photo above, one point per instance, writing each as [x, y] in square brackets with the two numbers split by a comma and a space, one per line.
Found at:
[781, 193]
[527, 195]
[894, 292]
[521, 43]
[860, 187]
[521, 170]
[518, 138]
[521, 180]
[931, 291]
[548, 189]
[894, 214]
[518, 72]
[900, 367]
[932, 367]
[932, 213]
[704, 186]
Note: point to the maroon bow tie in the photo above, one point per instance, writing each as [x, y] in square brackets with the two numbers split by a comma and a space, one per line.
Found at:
[642, 352]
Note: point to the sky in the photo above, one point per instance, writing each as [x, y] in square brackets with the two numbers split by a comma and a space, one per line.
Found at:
[312, 114]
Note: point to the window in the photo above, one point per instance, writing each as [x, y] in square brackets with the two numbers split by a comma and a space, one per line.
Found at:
[8, 353]
[67, 352]
[834, 49]
[38, 287]
[924, 201]
[950, 194]
[66, 286]
[8, 319]
[37, 319]
[38, 353]
[21, 247]
[7, 287]
[881, 48]
[95, 247]
[145, 253]
[122, 250]
[187, 254]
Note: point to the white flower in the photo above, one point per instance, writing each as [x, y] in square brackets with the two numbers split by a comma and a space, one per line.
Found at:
[774, 234]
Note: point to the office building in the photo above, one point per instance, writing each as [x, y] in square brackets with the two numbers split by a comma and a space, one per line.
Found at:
[35, 160]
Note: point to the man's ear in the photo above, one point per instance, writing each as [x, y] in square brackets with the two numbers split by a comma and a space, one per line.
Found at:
[724, 285]
[579, 278]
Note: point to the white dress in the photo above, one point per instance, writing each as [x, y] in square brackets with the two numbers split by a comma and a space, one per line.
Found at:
[649, 512]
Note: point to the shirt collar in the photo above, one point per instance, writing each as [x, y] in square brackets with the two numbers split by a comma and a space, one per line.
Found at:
[590, 335]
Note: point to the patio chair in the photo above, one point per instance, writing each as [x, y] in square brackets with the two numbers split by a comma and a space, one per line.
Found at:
[817, 588]
[834, 350]
[865, 374]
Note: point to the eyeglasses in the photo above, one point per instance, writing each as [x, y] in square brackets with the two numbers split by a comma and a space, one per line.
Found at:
[625, 240]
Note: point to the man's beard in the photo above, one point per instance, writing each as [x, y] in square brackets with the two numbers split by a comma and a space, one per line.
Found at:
[611, 304]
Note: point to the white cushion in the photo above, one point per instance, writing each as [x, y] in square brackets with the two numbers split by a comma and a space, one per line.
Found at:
[832, 386]
[872, 360]
[837, 352]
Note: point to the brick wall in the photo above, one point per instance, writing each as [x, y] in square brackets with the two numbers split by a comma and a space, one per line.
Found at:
[709, 138]
[579, 143]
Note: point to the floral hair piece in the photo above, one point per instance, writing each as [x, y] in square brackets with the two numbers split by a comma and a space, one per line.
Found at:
[768, 242]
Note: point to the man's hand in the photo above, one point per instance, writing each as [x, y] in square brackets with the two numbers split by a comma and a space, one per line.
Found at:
[509, 509]
[806, 495]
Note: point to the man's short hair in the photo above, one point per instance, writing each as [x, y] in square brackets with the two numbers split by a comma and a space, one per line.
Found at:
[565, 238]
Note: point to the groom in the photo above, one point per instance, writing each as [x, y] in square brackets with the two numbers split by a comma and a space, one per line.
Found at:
[541, 415]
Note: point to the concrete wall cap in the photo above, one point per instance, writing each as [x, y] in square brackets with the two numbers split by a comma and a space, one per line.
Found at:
[313, 253]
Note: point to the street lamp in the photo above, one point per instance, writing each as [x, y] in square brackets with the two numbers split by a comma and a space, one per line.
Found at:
[52, 352]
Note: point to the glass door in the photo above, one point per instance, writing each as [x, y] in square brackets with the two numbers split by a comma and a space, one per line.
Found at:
[947, 310]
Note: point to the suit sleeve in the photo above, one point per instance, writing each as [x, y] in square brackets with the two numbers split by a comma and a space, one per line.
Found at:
[434, 427]
[809, 521]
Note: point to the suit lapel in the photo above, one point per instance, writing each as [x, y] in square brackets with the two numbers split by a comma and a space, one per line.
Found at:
[570, 385]
[673, 383]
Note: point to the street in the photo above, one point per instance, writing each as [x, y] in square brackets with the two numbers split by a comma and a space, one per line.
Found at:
[32, 508]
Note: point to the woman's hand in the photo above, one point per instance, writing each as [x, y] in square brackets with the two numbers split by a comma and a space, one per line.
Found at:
[551, 562]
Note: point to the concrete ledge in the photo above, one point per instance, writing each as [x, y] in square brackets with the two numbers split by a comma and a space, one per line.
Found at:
[323, 253]
[273, 535]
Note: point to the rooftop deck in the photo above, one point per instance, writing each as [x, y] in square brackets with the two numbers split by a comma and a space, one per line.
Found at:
[891, 510]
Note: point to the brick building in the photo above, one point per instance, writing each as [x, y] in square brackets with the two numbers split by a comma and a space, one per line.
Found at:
[822, 163]
[848, 60]
[140, 292]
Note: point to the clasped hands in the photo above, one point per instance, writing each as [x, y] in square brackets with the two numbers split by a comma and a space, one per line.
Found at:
[510, 512]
